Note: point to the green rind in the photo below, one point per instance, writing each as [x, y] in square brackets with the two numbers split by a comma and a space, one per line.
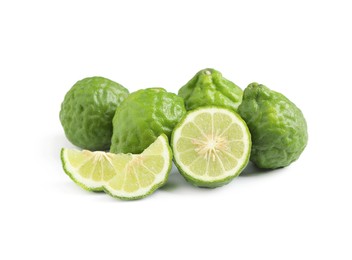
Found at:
[87, 110]
[209, 87]
[98, 189]
[277, 125]
[142, 117]
[102, 188]
[217, 183]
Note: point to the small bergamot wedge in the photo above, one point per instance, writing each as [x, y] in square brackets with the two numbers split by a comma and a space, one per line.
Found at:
[124, 176]
[211, 146]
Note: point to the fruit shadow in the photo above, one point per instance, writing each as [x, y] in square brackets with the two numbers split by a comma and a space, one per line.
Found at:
[252, 171]
[55, 143]
[174, 181]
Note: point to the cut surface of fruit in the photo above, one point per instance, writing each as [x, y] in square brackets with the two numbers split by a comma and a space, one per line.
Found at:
[211, 146]
[125, 176]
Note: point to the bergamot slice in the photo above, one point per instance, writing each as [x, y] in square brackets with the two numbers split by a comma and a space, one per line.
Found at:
[211, 146]
[124, 176]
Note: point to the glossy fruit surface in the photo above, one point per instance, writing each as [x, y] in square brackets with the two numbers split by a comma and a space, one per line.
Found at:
[142, 117]
[87, 111]
[278, 127]
[208, 87]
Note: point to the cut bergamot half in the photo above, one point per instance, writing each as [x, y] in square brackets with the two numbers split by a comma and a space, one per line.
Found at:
[124, 176]
[211, 146]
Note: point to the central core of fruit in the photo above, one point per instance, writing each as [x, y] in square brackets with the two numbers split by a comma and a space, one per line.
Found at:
[210, 147]
[99, 156]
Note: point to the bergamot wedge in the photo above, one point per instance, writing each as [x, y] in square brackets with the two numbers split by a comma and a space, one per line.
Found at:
[124, 176]
[211, 146]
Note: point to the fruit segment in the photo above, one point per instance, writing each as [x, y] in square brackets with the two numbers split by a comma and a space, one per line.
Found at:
[124, 176]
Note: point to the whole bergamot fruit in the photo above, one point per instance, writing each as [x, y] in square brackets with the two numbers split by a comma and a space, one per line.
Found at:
[209, 87]
[87, 111]
[278, 127]
[142, 117]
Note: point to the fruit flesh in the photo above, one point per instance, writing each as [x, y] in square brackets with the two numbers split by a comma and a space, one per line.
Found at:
[125, 176]
[209, 145]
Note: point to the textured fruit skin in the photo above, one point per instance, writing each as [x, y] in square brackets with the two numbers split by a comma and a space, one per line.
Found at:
[142, 117]
[278, 127]
[87, 111]
[208, 87]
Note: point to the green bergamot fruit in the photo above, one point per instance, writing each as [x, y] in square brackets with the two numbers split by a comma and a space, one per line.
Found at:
[208, 87]
[87, 111]
[142, 117]
[278, 128]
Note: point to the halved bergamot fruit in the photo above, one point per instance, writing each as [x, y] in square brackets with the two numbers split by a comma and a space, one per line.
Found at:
[124, 176]
[211, 146]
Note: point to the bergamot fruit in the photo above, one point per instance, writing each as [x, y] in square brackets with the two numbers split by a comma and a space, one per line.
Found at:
[87, 111]
[142, 117]
[278, 127]
[209, 87]
[211, 146]
[124, 176]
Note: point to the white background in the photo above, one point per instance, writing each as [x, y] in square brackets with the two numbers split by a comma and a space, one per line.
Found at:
[299, 48]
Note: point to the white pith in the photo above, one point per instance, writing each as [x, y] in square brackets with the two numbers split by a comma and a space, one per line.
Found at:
[210, 145]
[159, 178]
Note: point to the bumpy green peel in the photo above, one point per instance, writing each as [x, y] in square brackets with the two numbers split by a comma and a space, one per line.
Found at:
[142, 117]
[278, 127]
[87, 111]
[209, 87]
